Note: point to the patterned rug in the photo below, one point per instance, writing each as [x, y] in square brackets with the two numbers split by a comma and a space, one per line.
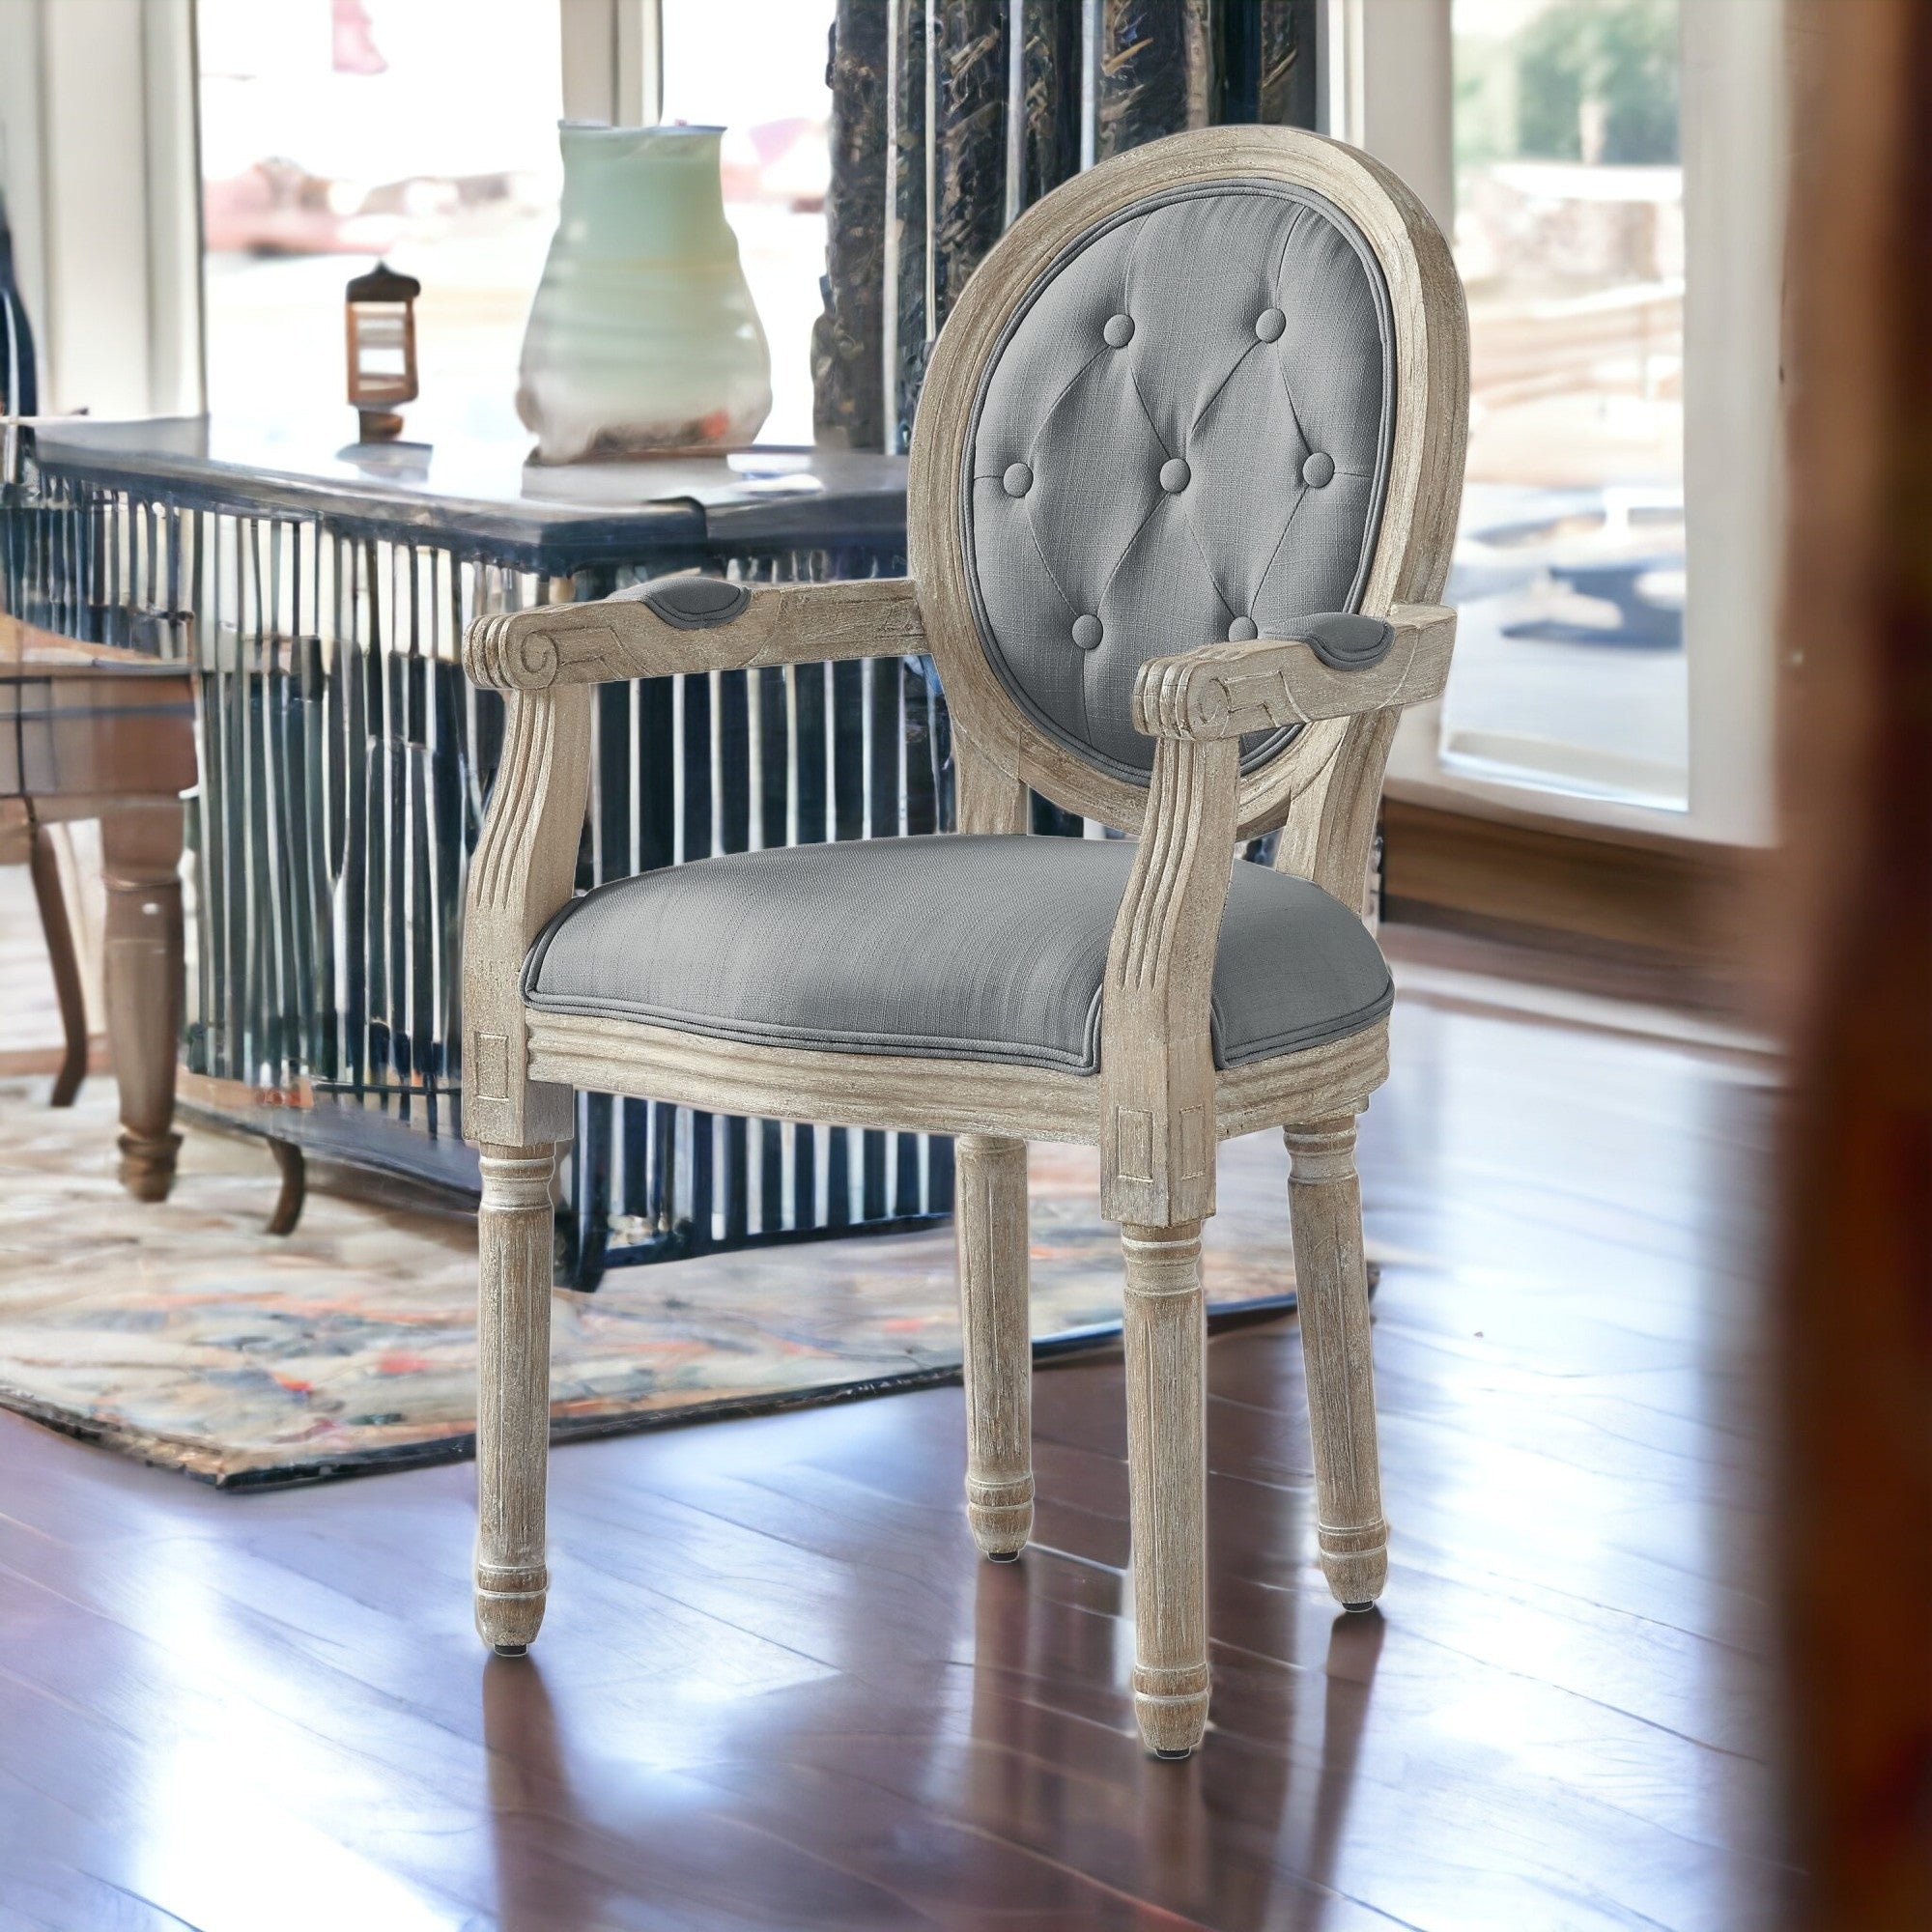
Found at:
[183, 1335]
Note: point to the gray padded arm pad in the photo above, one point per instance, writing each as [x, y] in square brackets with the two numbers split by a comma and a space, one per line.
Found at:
[1342, 640]
[689, 603]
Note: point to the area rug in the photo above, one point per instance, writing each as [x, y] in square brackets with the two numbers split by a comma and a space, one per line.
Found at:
[184, 1336]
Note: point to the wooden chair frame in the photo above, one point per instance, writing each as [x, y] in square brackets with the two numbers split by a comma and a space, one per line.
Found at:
[1158, 1103]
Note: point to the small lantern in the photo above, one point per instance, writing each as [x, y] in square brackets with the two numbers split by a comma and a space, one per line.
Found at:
[381, 323]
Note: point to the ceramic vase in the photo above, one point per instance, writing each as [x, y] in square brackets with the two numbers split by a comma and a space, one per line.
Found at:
[642, 337]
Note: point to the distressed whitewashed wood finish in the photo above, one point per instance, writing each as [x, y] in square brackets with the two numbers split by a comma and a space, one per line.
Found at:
[1331, 1284]
[1224, 691]
[1156, 1044]
[1158, 1104]
[1332, 823]
[986, 798]
[1165, 1338]
[514, 1241]
[989, 1208]
[521, 872]
[619, 637]
[920, 1096]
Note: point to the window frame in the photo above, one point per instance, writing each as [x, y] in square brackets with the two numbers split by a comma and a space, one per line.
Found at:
[1388, 85]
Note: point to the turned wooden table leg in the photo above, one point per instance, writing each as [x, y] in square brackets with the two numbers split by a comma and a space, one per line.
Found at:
[1166, 1340]
[1324, 1201]
[44, 867]
[141, 847]
[514, 1240]
[990, 1217]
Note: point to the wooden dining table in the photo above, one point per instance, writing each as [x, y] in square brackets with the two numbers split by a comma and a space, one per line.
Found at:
[91, 731]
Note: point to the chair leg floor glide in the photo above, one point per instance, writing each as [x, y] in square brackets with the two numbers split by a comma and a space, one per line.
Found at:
[513, 1405]
[990, 1221]
[1325, 1201]
[1165, 1333]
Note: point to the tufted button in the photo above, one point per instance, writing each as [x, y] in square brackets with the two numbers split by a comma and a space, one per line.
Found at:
[1087, 632]
[1017, 480]
[1119, 331]
[1270, 324]
[1319, 471]
[1174, 475]
[1242, 630]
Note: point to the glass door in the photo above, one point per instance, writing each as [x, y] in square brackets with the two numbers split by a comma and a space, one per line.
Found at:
[1571, 673]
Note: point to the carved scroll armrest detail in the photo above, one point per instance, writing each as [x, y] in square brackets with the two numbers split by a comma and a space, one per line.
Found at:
[1224, 691]
[650, 632]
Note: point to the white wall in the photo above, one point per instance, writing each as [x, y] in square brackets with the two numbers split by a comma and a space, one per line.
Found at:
[97, 161]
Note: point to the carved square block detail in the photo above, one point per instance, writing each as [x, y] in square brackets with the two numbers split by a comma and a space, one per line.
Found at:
[1193, 1143]
[1133, 1144]
[489, 1070]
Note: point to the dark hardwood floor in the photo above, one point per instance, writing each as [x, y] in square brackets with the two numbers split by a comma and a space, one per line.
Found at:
[775, 1688]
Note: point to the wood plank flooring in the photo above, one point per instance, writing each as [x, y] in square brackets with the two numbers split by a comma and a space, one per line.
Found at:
[775, 1688]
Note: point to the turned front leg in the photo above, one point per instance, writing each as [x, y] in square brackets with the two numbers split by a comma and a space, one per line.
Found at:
[514, 1241]
[141, 848]
[1166, 1339]
[990, 1217]
[1324, 1203]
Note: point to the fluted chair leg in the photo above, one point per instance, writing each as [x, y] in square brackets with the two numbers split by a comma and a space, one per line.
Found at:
[1166, 1337]
[990, 1216]
[514, 1228]
[1324, 1201]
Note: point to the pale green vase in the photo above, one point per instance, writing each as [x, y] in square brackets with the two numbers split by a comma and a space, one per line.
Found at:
[642, 337]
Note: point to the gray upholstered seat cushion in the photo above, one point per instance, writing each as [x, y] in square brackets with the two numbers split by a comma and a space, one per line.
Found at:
[976, 947]
[1182, 438]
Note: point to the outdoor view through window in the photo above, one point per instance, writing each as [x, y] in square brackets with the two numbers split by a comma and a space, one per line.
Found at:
[424, 131]
[1570, 665]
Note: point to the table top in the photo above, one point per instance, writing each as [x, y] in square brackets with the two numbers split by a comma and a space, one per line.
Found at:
[26, 651]
[82, 724]
[487, 495]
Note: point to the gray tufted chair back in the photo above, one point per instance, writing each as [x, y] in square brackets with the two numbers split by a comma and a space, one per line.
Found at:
[1184, 438]
[1179, 404]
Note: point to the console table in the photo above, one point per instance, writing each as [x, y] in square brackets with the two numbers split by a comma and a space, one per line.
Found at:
[316, 598]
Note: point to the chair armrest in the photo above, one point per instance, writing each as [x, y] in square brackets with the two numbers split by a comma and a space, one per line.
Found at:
[1225, 691]
[1158, 1123]
[675, 624]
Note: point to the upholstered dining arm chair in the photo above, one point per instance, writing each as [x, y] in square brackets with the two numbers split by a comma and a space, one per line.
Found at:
[1183, 487]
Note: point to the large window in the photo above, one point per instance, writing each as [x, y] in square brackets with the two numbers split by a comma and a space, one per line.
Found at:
[335, 131]
[1569, 567]
[757, 68]
[424, 132]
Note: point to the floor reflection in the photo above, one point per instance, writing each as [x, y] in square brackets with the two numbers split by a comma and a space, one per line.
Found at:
[1354, 1649]
[1249, 1833]
[533, 1818]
